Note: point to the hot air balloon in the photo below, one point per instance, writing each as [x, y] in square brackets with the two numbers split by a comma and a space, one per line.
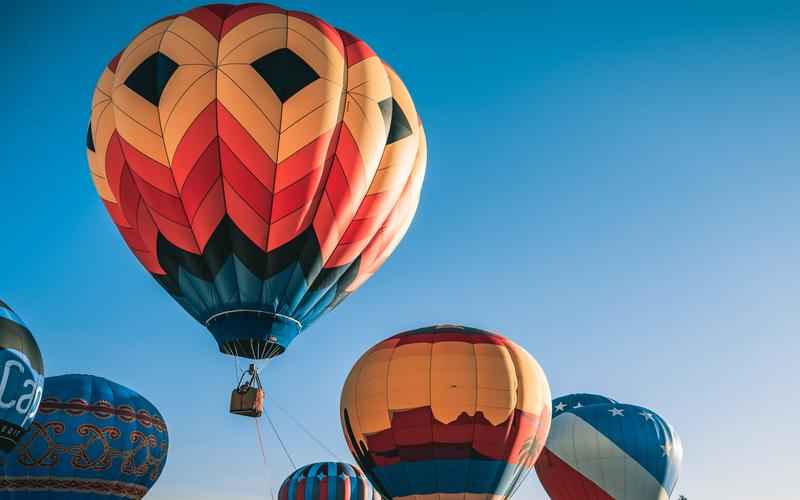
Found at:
[446, 410]
[93, 439]
[21, 379]
[325, 481]
[579, 400]
[259, 163]
[610, 451]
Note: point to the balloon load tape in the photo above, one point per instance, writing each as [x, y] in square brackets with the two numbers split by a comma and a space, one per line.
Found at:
[253, 334]
[248, 397]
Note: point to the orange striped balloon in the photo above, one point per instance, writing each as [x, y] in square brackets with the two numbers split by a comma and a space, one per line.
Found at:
[259, 163]
[446, 412]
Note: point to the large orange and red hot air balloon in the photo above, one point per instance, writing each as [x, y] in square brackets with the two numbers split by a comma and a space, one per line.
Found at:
[259, 163]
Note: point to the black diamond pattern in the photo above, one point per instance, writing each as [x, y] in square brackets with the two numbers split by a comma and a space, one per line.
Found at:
[398, 128]
[149, 78]
[285, 72]
[386, 111]
[89, 140]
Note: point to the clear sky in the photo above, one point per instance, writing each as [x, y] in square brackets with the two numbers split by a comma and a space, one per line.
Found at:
[615, 188]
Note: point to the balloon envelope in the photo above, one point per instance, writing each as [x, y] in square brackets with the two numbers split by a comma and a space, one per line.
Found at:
[610, 451]
[578, 400]
[21, 378]
[446, 410]
[93, 439]
[326, 481]
[259, 163]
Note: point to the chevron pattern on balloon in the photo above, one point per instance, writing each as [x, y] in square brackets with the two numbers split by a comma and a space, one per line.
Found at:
[261, 142]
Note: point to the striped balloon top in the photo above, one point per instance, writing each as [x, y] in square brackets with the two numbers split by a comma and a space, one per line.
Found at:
[327, 481]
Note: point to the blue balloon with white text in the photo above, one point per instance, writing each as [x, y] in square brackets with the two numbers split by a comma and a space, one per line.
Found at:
[21, 378]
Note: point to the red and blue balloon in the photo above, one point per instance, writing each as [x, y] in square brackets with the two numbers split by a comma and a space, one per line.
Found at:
[599, 449]
[327, 480]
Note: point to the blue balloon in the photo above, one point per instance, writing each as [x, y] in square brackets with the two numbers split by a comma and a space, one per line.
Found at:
[21, 378]
[93, 439]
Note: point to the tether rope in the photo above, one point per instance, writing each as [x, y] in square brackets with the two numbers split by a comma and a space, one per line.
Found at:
[305, 430]
[261, 443]
[264, 456]
[283, 445]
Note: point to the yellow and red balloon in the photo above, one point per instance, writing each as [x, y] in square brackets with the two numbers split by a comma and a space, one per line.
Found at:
[446, 412]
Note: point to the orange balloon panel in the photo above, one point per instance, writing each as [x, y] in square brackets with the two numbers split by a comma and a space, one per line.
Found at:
[446, 410]
[255, 160]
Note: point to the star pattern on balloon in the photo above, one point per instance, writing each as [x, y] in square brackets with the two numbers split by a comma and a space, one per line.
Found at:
[570, 469]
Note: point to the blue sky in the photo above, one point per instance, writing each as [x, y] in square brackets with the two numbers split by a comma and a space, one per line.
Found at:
[614, 188]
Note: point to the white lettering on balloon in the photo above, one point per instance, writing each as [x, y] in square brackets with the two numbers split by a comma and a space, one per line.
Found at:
[26, 402]
[11, 363]
[36, 400]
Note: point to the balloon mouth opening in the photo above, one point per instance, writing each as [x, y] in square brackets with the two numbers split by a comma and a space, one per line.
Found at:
[253, 334]
[246, 348]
